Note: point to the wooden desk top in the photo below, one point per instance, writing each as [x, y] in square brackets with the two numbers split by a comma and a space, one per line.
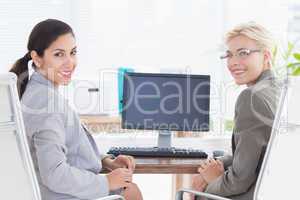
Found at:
[148, 165]
[167, 165]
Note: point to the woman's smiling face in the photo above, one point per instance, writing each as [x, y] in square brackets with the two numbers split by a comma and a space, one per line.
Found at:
[246, 61]
[59, 60]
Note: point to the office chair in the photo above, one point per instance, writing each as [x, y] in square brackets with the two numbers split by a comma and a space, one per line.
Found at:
[279, 174]
[18, 178]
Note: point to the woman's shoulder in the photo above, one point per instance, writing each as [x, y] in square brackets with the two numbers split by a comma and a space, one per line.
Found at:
[42, 99]
[43, 108]
[266, 90]
[259, 99]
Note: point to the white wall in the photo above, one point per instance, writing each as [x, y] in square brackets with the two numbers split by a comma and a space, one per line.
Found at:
[149, 35]
[17, 18]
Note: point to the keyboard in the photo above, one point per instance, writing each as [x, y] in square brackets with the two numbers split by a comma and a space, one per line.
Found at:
[158, 152]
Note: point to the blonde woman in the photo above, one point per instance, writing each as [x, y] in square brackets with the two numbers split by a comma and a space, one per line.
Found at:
[248, 59]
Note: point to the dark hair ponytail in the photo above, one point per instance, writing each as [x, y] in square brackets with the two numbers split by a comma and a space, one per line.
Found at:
[41, 37]
[20, 68]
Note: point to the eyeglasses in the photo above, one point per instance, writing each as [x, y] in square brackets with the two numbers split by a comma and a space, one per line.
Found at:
[240, 54]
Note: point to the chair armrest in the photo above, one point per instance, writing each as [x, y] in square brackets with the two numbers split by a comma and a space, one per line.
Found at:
[112, 197]
[179, 194]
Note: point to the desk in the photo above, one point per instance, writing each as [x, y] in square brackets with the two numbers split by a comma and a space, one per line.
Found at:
[148, 165]
[167, 165]
[181, 168]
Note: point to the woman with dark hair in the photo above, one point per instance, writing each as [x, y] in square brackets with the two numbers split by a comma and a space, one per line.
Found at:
[66, 158]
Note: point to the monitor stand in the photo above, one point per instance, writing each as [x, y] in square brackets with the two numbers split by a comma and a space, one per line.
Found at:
[164, 139]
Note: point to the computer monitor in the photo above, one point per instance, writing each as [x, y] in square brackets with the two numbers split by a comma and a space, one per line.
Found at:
[166, 102]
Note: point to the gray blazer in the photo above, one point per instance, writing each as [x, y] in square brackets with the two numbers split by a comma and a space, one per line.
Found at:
[254, 115]
[66, 158]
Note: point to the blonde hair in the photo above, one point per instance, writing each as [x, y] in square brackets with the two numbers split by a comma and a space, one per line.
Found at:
[254, 31]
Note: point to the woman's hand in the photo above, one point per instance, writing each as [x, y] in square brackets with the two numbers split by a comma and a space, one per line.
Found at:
[119, 178]
[198, 184]
[211, 169]
[123, 161]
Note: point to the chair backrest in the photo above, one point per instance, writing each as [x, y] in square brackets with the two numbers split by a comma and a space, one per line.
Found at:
[18, 179]
[279, 175]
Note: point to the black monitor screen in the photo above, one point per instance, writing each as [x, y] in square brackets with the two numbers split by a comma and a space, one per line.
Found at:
[173, 102]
